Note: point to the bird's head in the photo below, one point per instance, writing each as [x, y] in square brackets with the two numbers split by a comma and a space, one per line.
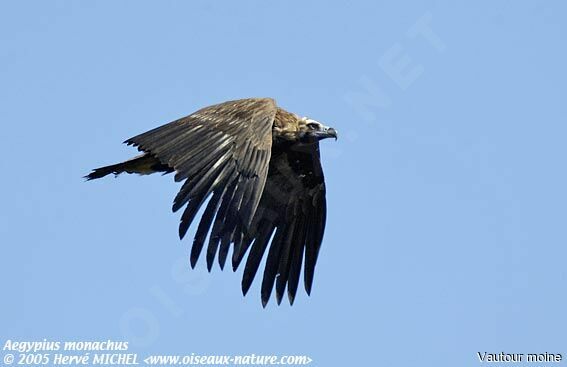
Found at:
[303, 130]
[311, 131]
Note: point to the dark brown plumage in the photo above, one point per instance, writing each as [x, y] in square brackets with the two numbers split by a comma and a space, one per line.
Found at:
[259, 166]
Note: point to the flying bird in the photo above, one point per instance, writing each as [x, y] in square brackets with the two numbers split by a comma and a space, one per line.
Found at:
[260, 169]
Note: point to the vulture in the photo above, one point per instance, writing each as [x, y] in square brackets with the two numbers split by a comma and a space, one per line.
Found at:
[258, 170]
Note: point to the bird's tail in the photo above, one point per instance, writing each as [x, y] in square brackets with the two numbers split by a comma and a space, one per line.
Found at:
[144, 164]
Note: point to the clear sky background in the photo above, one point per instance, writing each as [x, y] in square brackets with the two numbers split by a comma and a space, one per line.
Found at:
[446, 231]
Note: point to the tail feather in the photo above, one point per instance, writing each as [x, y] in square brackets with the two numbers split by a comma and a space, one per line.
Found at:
[143, 165]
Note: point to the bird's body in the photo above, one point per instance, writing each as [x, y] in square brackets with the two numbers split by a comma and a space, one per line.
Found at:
[259, 166]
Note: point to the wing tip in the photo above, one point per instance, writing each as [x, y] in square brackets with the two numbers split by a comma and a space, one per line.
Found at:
[210, 262]
[221, 263]
[182, 231]
[193, 262]
[176, 206]
[308, 289]
[291, 297]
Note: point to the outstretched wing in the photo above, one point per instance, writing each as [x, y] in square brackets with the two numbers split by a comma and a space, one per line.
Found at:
[293, 210]
[223, 152]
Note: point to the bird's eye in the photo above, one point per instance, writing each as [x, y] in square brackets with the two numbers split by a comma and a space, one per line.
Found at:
[313, 125]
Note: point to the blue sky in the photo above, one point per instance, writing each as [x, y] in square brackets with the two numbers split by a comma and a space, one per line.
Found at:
[446, 190]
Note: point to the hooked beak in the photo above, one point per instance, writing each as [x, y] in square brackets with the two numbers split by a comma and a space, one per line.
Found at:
[332, 133]
[327, 132]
